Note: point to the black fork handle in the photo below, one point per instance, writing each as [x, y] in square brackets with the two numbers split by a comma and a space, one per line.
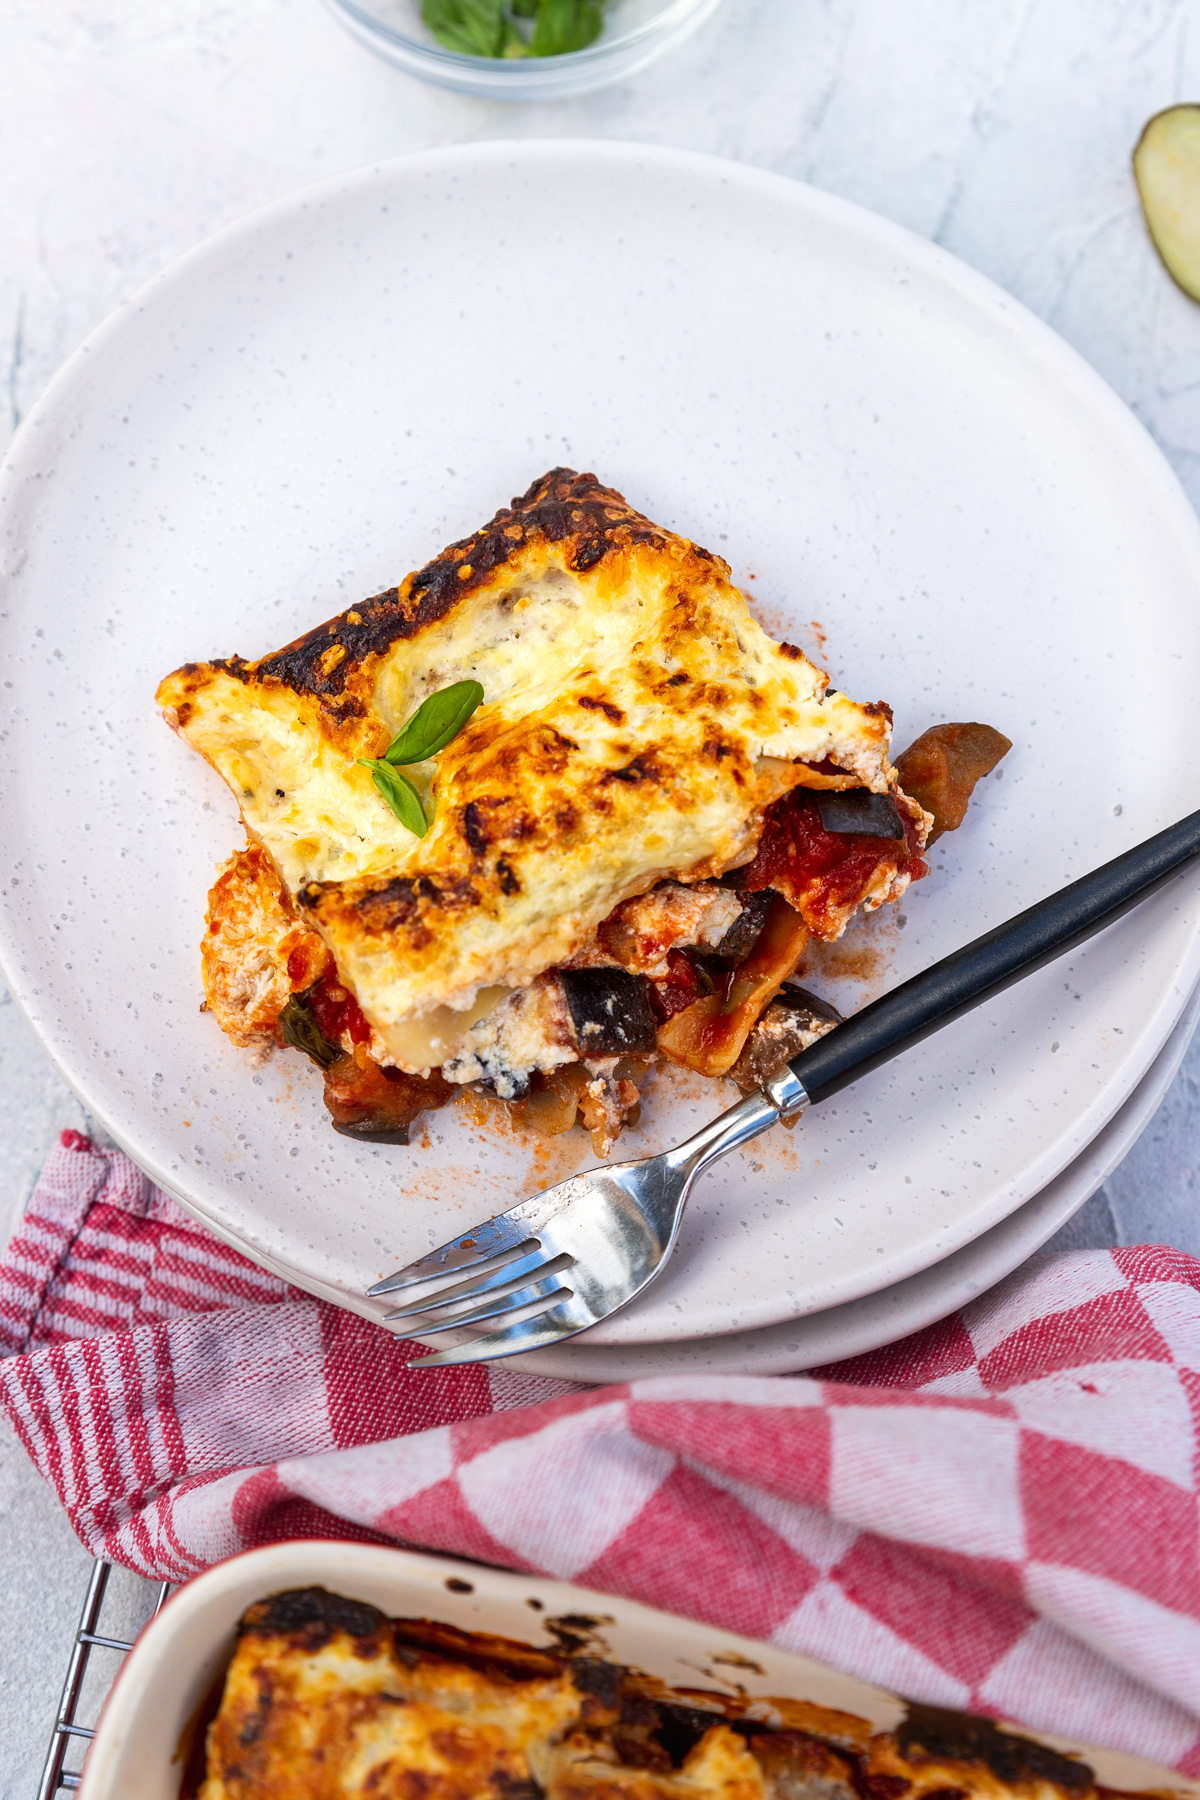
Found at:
[993, 962]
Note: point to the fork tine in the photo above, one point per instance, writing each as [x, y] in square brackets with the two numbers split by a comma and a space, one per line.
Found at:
[617, 1224]
[479, 1245]
[477, 1287]
[515, 1229]
[538, 1333]
[551, 1291]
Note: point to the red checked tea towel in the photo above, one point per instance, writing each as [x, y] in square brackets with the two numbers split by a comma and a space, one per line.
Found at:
[999, 1513]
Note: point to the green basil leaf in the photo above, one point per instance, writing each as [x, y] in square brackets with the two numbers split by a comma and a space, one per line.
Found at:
[565, 25]
[298, 1027]
[399, 793]
[437, 720]
[472, 27]
[513, 44]
[524, 9]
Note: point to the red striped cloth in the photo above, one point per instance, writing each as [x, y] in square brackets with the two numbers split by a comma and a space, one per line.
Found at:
[998, 1513]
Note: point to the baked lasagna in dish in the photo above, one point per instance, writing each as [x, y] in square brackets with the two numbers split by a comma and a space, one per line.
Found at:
[554, 809]
[327, 1697]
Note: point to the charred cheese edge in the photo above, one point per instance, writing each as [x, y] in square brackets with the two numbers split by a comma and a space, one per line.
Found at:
[326, 1697]
[636, 723]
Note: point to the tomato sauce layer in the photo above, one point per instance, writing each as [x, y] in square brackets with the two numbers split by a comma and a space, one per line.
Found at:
[336, 1010]
[826, 874]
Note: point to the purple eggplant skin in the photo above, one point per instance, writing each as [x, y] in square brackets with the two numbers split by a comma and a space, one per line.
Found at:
[792, 1021]
[609, 1010]
[366, 1133]
[801, 999]
[742, 935]
[857, 812]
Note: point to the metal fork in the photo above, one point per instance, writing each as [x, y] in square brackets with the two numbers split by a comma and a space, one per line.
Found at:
[554, 1265]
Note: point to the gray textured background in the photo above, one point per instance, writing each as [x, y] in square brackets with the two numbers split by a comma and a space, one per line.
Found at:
[1000, 128]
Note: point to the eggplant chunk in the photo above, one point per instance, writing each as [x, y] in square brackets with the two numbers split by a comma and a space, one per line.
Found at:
[610, 1011]
[857, 812]
[794, 1020]
[802, 1000]
[1166, 165]
[939, 771]
[374, 1134]
[378, 1106]
[742, 935]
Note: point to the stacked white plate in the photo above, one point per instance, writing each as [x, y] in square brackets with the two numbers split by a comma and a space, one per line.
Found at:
[910, 476]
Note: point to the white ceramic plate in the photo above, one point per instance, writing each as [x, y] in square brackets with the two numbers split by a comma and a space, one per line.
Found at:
[317, 399]
[169, 1673]
[894, 1312]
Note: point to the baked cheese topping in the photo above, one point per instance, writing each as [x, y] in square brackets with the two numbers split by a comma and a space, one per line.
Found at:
[636, 723]
[325, 1696]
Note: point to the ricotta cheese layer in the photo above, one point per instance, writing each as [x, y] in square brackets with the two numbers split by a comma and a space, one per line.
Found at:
[636, 722]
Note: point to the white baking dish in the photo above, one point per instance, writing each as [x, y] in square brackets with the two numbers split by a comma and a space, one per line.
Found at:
[136, 1753]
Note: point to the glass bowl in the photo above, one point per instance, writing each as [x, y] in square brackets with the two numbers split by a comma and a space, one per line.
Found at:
[635, 32]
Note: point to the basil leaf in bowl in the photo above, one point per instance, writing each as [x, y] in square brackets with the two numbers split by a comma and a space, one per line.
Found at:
[566, 25]
[487, 27]
[472, 27]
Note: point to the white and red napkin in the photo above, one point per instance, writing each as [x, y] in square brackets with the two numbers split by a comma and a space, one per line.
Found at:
[999, 1513]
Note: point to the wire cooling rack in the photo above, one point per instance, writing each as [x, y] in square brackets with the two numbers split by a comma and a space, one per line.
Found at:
[55, 1774]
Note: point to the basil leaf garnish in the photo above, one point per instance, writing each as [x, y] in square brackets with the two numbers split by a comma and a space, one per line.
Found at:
[564, 25]
[299, 1028]
[512, 43]
[472, 27]
[486, 27]
[436, 721]
[399, 793]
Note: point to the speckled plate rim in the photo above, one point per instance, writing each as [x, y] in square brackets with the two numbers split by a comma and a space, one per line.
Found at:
[894, 1312]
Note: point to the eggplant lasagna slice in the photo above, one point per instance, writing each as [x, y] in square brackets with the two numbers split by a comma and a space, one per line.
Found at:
[633, 839]
[326, 1696]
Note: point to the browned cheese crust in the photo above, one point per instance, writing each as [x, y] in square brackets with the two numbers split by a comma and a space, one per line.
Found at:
[326, 1697]
[335, 662]
[636, 723]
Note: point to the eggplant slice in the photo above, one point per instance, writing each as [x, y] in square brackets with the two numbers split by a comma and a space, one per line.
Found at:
[1166, 165]
[742, 935]
[379, 1106]
[366, 1133]
[857, 812]
[940, 769]
[789, 1024]
[610, 1011]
